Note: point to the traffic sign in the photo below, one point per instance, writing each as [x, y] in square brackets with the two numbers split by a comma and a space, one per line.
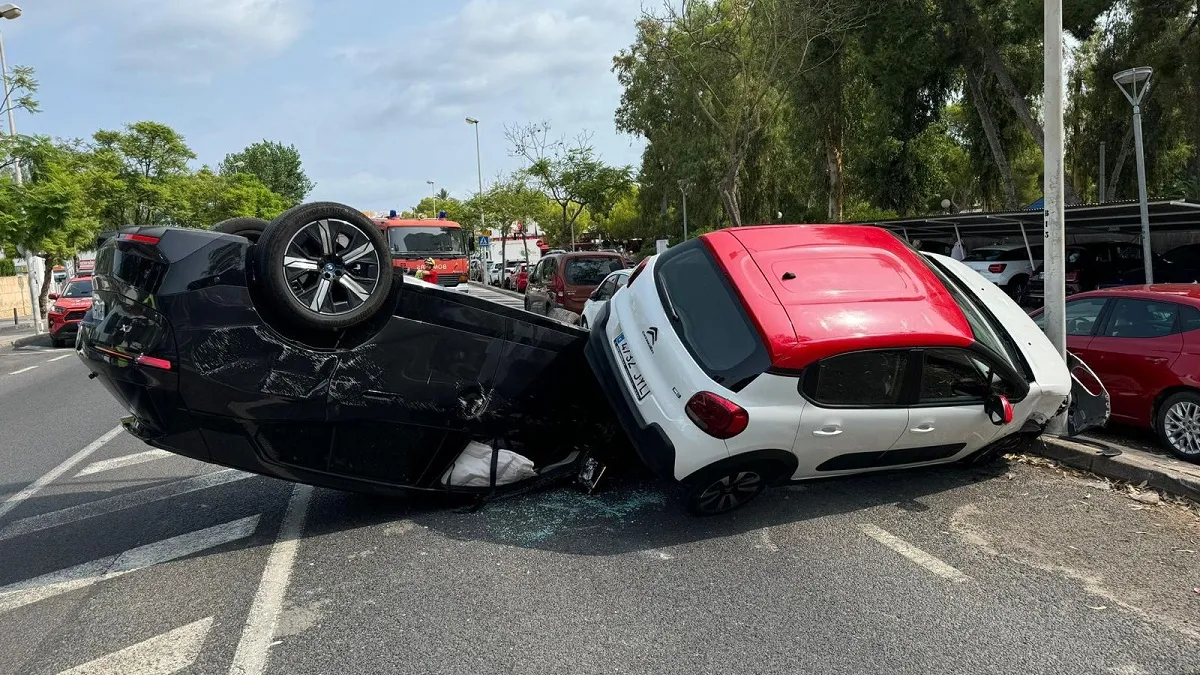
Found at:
[484, 241]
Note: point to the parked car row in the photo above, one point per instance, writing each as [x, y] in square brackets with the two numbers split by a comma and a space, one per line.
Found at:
[1143, 343]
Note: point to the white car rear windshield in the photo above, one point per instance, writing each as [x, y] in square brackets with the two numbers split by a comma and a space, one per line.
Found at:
[708, 316]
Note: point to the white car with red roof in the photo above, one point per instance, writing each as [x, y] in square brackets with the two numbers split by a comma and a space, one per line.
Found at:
[759, 355]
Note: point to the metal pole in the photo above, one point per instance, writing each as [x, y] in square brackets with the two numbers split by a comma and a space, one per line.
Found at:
[12, 132]
[487, 273]
[684, 193]
[433, 193]
[1055, 233]
[1102, 198]
[1147, 261]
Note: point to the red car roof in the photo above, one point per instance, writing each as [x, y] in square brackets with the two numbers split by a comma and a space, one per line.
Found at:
[819, 290]
[1188, 294]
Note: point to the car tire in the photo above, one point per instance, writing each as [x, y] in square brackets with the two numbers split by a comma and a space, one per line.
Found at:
[719, 490]
[1178, 425]
[250, 228]
[325, 265]
[57, 343]
[1018, 288]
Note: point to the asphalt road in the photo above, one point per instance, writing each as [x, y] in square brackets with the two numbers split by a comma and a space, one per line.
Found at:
[118, 559]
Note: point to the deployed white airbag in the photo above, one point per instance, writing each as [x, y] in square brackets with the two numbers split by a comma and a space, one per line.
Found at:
[473, 468]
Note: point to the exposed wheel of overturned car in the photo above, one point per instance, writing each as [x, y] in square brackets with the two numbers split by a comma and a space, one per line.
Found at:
[243, 226]
[325, 265]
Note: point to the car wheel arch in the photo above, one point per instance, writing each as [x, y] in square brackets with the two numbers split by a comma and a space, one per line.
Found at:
[1162, 397]
[785, 460]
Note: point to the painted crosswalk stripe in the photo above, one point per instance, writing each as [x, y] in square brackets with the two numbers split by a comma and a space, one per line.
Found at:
[254, 647]
[33, 488]
[120, 462]
[23, 370]
[27, 592]
[121, 502]
[162, 654]
[59, 358]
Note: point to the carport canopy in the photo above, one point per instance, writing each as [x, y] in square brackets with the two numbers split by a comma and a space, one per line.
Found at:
[1174, 215]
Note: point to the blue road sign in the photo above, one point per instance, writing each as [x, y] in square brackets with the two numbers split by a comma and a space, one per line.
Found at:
[484, 241]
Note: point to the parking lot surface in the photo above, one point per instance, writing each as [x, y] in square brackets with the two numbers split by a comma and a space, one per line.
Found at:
[119, 558]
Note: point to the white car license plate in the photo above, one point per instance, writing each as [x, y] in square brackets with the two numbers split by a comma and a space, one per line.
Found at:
[640, 389]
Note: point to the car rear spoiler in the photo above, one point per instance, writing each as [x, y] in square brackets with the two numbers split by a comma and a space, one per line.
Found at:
[104, 237]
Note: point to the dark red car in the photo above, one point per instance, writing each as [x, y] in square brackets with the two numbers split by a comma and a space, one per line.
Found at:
[1143, 342]
[67, 310]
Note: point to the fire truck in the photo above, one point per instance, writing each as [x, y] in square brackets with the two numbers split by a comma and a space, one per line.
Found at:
[412, 240]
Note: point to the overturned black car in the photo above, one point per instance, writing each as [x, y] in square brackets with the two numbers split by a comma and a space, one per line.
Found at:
[292, 350]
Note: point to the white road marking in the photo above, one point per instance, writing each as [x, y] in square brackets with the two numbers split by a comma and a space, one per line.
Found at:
[126, 460]
[657, 554]
[32, 489]
[45, 521]
[162, 654]
[66, 580]
[23, 370]
[59, 358]
[913, 553]
[254, 647]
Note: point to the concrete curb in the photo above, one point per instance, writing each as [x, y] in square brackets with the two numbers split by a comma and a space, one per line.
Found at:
[17, 341]
[1133, 466]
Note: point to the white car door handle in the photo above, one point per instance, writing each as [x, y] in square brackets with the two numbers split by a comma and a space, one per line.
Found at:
[828, 430]
[923, 429]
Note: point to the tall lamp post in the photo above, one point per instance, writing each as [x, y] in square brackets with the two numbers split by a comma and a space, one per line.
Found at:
[487, 276]
[11, 11]
[1128, 81]
[433, 192]
[683, 186]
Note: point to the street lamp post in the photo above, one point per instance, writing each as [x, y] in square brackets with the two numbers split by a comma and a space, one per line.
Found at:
[11, 11]
[482, 225]
[1131, 78]
[683, 185]
[433, 192]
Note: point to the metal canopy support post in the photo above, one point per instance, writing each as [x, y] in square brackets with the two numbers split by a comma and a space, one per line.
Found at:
[1054, 273]
[1132, 77]
[1028, 249]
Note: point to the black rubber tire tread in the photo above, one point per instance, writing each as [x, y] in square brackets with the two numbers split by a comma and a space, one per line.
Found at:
[243, 226]
[272, 247]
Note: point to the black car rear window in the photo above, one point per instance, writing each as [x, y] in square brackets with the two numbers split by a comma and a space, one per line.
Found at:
[708, 316]
[591, 271]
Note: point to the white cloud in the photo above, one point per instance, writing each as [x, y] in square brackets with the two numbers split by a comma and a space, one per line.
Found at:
[534, 57]
[186, 40]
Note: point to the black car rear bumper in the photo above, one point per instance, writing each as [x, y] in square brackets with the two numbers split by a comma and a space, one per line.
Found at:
[649, 440]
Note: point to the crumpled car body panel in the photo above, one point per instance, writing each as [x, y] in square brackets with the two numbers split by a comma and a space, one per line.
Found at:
[380, 407]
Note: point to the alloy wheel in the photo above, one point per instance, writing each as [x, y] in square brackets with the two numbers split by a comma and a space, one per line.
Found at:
[1182, 427]
[331, 266]
[729, 492]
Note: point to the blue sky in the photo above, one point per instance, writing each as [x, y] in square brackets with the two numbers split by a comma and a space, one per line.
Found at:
[372, 93]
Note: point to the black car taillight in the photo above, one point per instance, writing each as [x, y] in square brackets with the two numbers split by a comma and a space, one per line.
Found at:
[716, 416]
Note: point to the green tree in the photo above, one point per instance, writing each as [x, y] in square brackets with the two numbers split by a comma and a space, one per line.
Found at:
[567, 173]
[54, 212]
[205, 198]
[276, 165]
[22, 85]
[148, 158]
